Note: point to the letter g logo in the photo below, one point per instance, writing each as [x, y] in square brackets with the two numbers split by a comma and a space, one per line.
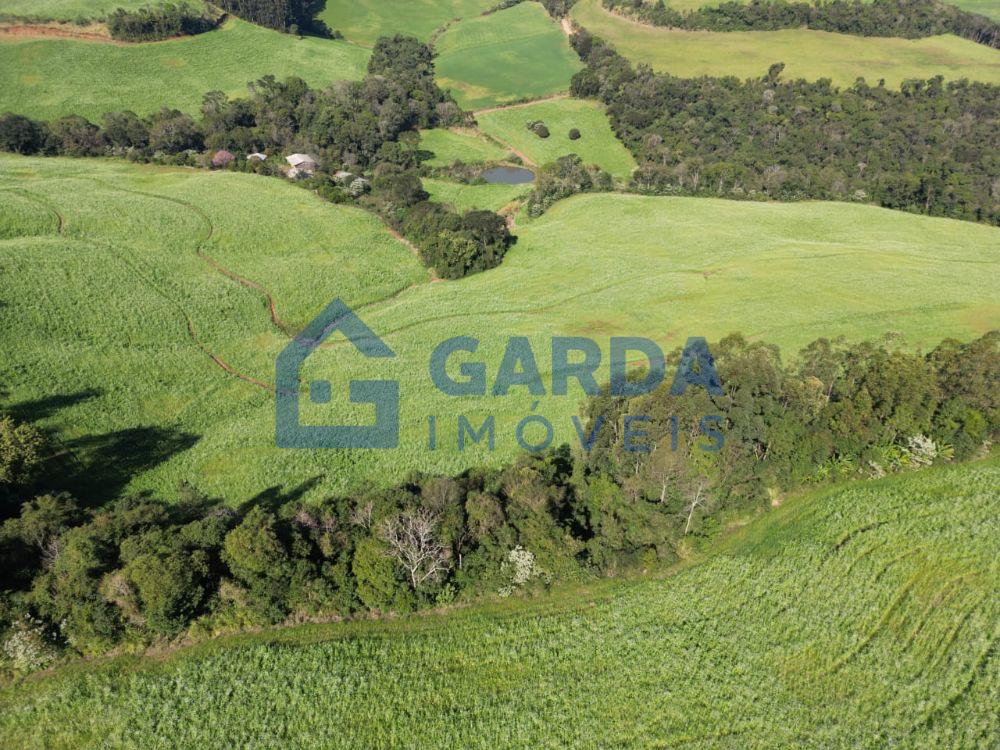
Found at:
[384, 394]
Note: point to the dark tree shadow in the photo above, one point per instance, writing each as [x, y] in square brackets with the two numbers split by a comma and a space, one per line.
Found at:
[101, 466]
[32, 411]
[273, 498]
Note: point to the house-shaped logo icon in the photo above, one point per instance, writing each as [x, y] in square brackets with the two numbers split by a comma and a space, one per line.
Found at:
[384, 394]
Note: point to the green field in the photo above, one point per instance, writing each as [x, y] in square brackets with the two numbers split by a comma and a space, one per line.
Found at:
[861, 617]
[518, 53]
[465, 197]
[95, 317]
[65, 10]
[989, 8]
[597, 144]
[449, 146]
[364, 21]
[48, 78]
[806, 54]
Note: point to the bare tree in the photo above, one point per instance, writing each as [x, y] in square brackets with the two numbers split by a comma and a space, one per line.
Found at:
[696, 499]
[414, 545]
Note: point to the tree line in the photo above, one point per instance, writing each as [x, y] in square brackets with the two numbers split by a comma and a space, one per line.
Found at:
[931, 147]
[84, 578]
[910, 19]
[366, 127]
[158, 22]
[290, 16]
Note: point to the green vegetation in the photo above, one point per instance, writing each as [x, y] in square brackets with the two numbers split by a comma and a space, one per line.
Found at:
[364, 21]
[688, 267]
[792, 140]
[988, 8]
[449, 146]
[466, 197]
[864, 616]
[517, 53]
[909, 19]
[48, 78]
[597, 143]
[807, 54]
[66, 10]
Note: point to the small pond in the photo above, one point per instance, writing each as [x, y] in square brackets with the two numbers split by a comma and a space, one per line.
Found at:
[508, 175]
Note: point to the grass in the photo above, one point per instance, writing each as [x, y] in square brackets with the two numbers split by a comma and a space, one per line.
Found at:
[514, 54]
[65, 10]
[364, 21]
[449, 146]
[806, 54]
[465, 197]
[864, 616]
[990, 8]
[95, 319]
[597, 144]
[48, 78]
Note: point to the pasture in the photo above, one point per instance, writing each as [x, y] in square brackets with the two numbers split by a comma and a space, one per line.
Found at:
[863, 616]
[597, 143]
[65, 10]
[449, 146]
[807, 54]
[466, 197]
[364, 21]
[49, 78]
[110, 324]
[514, 54]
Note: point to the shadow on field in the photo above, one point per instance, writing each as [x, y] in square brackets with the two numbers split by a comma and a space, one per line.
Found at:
[104, 464]
[274, 497]
[32, 411]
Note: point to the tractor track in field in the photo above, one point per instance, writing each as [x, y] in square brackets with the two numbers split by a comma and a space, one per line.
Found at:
[189, 321]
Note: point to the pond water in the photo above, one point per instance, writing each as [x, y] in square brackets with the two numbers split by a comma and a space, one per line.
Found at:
[508, 175]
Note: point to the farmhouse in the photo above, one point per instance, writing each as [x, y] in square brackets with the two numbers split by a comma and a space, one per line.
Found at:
[256, 156]
[302, 165]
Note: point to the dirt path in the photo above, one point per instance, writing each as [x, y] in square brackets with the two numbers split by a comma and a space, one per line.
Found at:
[93, 33]
[566, 25]
[272, 307]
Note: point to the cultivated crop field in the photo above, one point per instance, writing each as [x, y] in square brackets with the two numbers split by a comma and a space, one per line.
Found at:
[111, 310]
[862, 617]
[517, 53]
[49, 78]
[364, 21]
[807, 54]
[597, 143]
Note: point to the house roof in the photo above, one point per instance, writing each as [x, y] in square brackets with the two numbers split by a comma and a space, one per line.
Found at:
[297, 159]
[257, 155]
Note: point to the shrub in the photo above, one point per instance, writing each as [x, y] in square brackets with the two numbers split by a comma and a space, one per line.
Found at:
[574, 134]
[26, 646]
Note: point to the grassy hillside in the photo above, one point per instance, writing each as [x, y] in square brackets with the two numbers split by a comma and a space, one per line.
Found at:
[65, 10]
[989, 8]
[863, 617]
[518, 53]
[48, 78]
[449, 146]
[597, 143]
[806, 54]
[364, 21]
[96, 317]
[465, 197]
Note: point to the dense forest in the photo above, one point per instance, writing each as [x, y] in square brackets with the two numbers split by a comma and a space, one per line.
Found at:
[84, 577]
[160, 22]
[910, 19]
[292, 16]
[931, 147]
